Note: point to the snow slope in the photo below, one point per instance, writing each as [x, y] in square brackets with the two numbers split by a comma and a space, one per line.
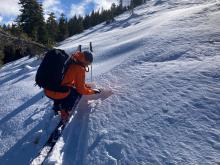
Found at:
[161, 67]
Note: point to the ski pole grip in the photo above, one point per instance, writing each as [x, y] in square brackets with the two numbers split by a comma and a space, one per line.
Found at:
[90, 46]
[80, 48]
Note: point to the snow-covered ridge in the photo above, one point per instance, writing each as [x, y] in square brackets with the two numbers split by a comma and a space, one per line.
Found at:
[162, 66]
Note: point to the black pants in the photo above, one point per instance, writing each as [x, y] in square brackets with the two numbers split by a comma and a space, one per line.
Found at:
[68, 102]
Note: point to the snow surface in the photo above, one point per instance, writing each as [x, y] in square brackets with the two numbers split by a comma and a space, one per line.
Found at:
[161, 105]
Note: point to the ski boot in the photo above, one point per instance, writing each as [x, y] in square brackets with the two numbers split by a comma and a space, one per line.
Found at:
[56, 108]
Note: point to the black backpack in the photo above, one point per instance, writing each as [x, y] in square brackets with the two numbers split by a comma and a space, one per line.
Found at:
[52, 69]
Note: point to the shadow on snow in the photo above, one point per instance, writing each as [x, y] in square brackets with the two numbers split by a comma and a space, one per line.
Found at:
[77, 139]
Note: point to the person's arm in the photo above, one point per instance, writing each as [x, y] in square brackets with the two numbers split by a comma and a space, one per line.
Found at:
[80, 83]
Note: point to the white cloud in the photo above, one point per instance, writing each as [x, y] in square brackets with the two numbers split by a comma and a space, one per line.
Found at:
[52, 6]
[105, 4]
[9, 7]
[50, 3]
[77, 10]
[80, 9]
[10, 22]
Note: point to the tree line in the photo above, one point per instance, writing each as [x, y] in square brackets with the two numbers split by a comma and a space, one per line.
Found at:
[32, 25]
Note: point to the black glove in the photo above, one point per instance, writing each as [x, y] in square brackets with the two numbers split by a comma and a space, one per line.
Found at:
[97, 91]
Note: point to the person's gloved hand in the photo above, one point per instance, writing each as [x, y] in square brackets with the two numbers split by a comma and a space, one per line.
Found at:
[97, 91]
[88, 86]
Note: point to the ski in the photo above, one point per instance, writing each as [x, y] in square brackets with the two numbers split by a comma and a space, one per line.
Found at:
[48, 146]
[53, 138]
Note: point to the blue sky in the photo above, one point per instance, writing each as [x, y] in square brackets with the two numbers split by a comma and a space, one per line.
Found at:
[9, 9]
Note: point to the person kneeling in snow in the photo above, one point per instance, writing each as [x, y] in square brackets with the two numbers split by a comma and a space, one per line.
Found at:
[74, 78]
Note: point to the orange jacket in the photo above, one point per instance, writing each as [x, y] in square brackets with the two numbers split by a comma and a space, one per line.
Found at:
[75, 76]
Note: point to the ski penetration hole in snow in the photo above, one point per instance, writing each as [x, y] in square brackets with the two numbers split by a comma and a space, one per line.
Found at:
[114, 151]
[94, 103]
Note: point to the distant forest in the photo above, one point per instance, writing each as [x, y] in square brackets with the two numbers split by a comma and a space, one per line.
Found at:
[31, 25]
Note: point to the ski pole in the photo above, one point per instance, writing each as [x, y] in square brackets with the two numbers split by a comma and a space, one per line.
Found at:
[90, 46]
[80, 48]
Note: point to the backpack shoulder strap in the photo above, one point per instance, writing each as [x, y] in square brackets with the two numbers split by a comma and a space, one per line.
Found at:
[77, 63]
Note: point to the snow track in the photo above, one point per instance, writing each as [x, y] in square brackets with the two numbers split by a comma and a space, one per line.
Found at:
[75, 135]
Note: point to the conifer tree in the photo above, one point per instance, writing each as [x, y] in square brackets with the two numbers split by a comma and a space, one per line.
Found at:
[92, 18]
[80, 27]
[4, 27]
[113, 10]
[119, 8]
[62, 28]
[121, 3]
[75, 25]
[31, 20]
[132, 7]
[52, 28]
[137, 2]
[42, 34]
[14, 30]
[86, 22]
[72, 26]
